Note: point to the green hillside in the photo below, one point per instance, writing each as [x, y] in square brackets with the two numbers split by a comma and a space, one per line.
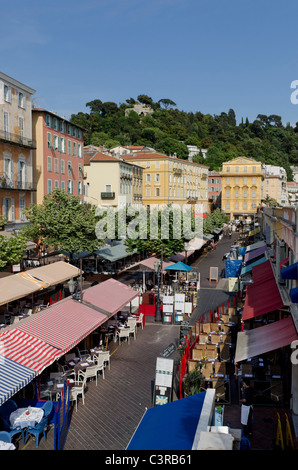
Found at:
[169, 130]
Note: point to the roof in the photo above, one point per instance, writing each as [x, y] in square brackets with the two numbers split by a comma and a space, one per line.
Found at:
[147, 155]
[99, 157]
[43, 110]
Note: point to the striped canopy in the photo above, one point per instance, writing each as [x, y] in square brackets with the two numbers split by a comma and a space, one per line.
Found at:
[27, 350]
[14, 377]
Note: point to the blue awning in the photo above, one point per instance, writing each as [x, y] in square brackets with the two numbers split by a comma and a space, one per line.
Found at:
[249, 267]
[169, 427]
[294, 295]
[14, 377]
[291, 272]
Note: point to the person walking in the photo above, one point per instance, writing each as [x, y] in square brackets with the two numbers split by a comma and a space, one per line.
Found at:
[247, 408]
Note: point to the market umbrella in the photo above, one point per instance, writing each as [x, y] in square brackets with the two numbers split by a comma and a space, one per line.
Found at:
[179, 267]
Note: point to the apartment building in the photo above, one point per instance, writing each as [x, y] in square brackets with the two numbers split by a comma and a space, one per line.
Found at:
[111, 181]
[168, 179]
[275, 184]
[292, 191]
[214, 189]
[242, 187]
[17, 185]
[58, 158]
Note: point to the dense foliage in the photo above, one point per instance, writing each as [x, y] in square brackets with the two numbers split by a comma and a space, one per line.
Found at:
[169, 130]
[63, 222]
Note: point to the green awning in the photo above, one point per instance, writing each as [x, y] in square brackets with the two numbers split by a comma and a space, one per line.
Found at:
[114, 253]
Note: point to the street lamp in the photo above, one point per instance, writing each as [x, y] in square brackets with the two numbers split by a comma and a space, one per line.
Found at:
[157, 268]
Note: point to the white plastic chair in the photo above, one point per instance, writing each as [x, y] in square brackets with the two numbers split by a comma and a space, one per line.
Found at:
[91, 372]
[139, 320]
[122, 333]
[78, 389]
[132, 330]
[99, 364]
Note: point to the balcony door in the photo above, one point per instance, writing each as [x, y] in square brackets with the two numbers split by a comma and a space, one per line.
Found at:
[8, 210]
[22, 174]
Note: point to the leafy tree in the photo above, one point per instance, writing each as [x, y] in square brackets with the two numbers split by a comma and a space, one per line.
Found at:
[145, 99]
[95, 106]
[11, 250]
[62, 222]
[167, 103]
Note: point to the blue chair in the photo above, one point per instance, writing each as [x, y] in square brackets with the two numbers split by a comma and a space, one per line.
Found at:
[48, 408]
[7, 408]
[11, 430]
[38, 429]
[4, 436]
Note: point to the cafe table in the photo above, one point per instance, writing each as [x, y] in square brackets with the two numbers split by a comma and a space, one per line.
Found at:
[82, 365]
[25, 417]
[7, 446]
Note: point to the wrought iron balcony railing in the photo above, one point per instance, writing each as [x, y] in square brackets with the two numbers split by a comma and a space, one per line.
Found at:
[17, 139]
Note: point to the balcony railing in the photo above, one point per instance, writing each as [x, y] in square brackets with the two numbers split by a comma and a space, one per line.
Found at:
[7, 183]
[177, 171]
[107, 195]
[17, 139]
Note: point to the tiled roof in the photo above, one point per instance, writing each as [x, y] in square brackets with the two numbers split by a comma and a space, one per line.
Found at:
[99, 157]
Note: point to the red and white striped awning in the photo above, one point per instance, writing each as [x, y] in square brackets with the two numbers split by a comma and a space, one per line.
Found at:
[64, 324]
[27, 350]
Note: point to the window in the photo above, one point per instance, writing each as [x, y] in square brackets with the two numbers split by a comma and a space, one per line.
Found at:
[147, 164]
[244, 193]
[254, 180]
[55, 142]
[62, 126]
[55, 124]
[227, 193]
[157, 165]
[253, 193]
[74, 149]
[69, 147]
[69, 186]
[62, 165]
[79, 150]
[80, 187]
[244, 205]
[62, 144]
[56, 184]
[48, 120]
[21, 100]
[228, 169]
[80, 171]
[56, 165]
[108, 188]
[227, 205]
[253, 169]
[63, 185]
[49, 186]
[49, 140]
[228, 180]
[8, 169]
[236, 205]
[148, 178]
[6, 124]
[69, 169]
[157, 177]
[245, 169]
[236, 193]
[7, 93]
[148, 192]
[21, 126]
[8, 209]
[157, 191]
[237, 169]
[244, 180]
[49, 163]
[237, 180]
[22, 210]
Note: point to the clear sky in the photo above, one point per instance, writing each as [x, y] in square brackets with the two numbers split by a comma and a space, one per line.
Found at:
[205, 55]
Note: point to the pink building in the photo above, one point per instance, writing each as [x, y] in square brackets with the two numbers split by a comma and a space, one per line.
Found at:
[58, 158]
[214, 189]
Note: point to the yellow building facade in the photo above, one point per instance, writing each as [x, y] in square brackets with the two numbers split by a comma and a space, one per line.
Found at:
[170, 180]
[242, 187]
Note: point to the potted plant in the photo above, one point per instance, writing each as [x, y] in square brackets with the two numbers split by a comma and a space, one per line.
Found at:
[193, 381]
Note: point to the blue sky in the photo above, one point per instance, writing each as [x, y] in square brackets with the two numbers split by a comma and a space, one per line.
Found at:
[205, 55]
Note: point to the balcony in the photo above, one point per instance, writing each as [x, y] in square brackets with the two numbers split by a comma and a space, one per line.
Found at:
[192, 199]
[177, 171]
[8, 184]
[107, 195]
[17, 139]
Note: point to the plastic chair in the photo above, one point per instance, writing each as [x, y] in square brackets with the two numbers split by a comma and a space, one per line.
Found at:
[91, 372]
[11, 431]
[4, 436]
[123, 333]
[99, 363]
[38, 429]
[139, 320]
[7, 408]
[48, 409]
[78, 388]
